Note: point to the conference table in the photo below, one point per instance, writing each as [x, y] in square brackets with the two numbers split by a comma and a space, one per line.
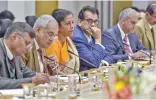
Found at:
[85, 92]
[64, 94]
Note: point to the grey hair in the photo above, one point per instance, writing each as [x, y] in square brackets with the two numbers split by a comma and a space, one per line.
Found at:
[127, 12]
[20, 28]
[43, 20]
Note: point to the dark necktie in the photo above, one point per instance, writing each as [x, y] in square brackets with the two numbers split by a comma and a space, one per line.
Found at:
[13, 59]
[152, 31]
[12, 69]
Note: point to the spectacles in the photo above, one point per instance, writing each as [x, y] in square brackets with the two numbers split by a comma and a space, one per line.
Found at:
[90, 21]
[48, 34]
[28, 44]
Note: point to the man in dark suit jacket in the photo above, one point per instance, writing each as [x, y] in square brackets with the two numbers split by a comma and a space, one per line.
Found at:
[87, 39]
[17, 40]
[121, 41]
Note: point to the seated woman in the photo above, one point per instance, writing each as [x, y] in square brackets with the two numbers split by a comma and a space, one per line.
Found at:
[63, 43]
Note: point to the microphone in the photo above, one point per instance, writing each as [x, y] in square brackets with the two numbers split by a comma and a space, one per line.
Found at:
[84, 60]
[140, 51]
[66, 67]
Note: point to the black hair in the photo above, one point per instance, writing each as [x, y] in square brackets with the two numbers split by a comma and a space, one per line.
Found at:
[87, 8]
[21, 28]
[7, 15]
[60, 14]
[30, 20]
[136, 9]
[142, 10]
[151, 7]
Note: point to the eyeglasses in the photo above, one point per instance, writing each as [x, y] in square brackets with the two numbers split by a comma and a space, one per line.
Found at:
[48, 34]
[28, 44]
[90, 21]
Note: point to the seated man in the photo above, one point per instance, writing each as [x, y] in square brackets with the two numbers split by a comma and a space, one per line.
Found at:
[17, 41]
[87, 39]
[45, 27]
[121, 41]
[146, 28]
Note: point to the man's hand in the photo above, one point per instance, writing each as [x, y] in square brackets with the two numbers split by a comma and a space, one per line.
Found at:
[51, 63]
[139, 55]
[96, 33]
[40, 78]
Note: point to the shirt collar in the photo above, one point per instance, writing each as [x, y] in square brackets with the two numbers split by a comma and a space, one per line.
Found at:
[9, 54]
[89, 38]
[36, 44]
[150, 26]
[121, 31]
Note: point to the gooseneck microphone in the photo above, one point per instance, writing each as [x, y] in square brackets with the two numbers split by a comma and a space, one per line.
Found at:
[84, 60]
[66, 67]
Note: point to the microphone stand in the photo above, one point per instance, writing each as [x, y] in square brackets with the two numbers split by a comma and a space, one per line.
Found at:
[57, 70]
[84, 60]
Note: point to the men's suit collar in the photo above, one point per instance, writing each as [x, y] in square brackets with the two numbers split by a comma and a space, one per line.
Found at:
[3, 47]
[148, 31]
[82, 34]
[9, 53]
[122, 33]
[147, 27]
[118, 35]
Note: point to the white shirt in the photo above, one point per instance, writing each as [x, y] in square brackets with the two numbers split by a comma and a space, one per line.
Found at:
[38, 56]
[123, 35]
[9, 53]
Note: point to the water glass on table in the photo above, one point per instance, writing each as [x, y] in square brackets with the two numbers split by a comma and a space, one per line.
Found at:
[72, 85]
[28, 90]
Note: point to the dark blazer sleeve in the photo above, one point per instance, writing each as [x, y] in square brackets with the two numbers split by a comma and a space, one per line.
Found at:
[23, 73]
[26, 72]
[6, 83]
[113, 47]
[93, 54]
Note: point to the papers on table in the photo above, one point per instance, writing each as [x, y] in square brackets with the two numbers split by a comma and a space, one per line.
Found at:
[14, 92]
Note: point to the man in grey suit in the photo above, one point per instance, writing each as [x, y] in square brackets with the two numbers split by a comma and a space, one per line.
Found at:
[17, 41]
[121, 40]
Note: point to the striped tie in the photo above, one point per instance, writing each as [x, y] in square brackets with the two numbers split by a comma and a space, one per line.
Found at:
[126, 47]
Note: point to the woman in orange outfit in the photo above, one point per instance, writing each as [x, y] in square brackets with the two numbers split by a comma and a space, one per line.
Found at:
[63, 43]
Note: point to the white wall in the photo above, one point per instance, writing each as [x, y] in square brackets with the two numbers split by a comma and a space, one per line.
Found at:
[76, 6]
[69, 5]
[20, 9]
[141, 4]
[3, 5]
